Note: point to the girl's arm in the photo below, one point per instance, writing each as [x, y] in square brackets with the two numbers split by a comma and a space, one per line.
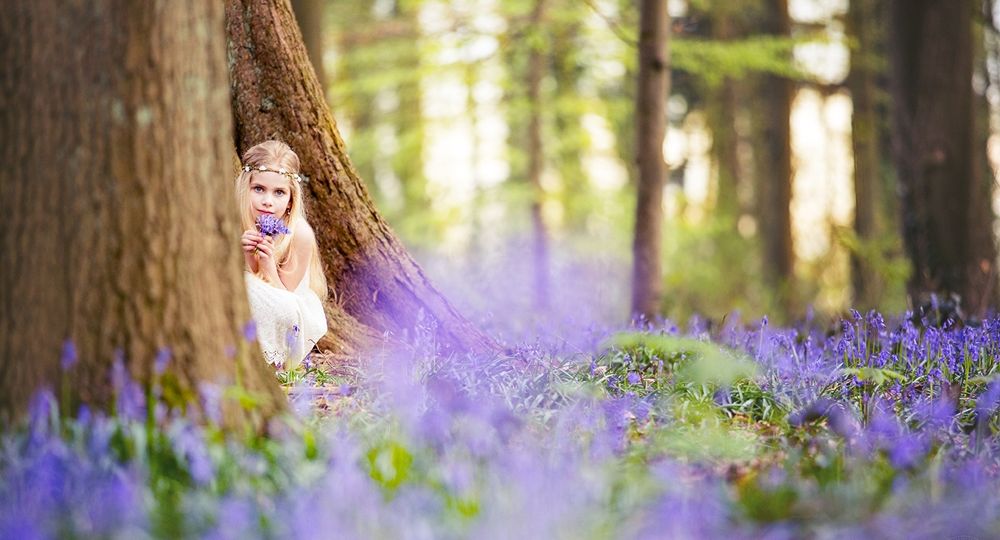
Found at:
[290, 275]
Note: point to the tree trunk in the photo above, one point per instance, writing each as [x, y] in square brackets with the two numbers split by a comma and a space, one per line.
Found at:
[651, 95]
[309, 14]
[982, 242]
[536, 161]
[119, 236]
[931, 57]
[774, 166]
[863, 27]
[377, 286]
[571, 144]
[408, 161]
[722, 111]
[359, 104]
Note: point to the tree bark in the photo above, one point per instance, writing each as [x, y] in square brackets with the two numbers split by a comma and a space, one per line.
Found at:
[931, 60]
[309, 14]
[378, 288]
[536, 160]
[774, 166]
[863, 27]
[650, 110]
[119, 237]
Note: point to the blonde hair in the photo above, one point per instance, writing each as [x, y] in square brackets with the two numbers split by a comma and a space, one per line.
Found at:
[277, 155]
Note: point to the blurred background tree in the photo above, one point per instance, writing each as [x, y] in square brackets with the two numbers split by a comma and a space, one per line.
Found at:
[498, 136]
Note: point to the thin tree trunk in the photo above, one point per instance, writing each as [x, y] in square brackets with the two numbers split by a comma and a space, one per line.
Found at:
[931, 57]
[722, 113]
[571, 143]
[378, 286]
[358, 105]
[651, 95]
[408, 161]
[119, 235]
[536, 162]
[309, 14]
[982, 272]
[775, 168]
[862, 25]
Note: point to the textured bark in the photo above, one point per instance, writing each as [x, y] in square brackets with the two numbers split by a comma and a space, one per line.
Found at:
[118, 235]
[536, 162]
[863, 27]
[653, 88]
[378, 287]
[309, 14]
[931, 57]
[774, 167]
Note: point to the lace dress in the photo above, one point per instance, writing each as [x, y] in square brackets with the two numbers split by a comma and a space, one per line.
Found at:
[288, 323]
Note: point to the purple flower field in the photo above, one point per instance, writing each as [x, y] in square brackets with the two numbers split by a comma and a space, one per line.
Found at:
[882, 428]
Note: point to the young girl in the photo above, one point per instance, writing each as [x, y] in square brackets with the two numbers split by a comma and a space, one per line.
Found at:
[284, 278]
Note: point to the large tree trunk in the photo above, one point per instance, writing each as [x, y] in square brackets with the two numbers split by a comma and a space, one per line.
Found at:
[119, 235]
[377, 286]
[774, 167]
[931, 59]
[650, 114]
[863, 27]
[536, 161]
[309, 14]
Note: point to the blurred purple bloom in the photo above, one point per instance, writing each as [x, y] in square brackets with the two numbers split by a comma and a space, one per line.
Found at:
[162, 360]
[250, 331]
[69, 355]
[211, 401]
[634, 378]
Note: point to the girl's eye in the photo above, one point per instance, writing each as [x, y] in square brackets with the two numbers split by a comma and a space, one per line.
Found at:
[257, 189]
[280, 192]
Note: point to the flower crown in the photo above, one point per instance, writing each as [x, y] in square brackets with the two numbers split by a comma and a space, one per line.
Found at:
[293, 176]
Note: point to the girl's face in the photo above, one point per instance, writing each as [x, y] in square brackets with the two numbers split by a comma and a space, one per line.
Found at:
[270, 193]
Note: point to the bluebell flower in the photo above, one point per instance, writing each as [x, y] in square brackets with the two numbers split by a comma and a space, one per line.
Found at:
[250, 331]
[162, 359]
[269, 225]
[69, 355]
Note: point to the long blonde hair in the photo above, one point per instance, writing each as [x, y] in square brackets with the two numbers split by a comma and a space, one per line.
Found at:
[277, 155]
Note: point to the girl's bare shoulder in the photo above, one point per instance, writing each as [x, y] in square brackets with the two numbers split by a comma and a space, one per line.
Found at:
[303, 237]
[303, 231]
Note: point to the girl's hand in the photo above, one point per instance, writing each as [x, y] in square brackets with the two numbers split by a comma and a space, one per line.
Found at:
[265, 253]
[250, 240]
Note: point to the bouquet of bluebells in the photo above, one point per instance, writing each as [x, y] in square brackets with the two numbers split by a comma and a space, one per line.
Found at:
[269, 225]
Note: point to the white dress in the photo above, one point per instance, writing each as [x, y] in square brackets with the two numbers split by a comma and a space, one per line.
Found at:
[288, 323]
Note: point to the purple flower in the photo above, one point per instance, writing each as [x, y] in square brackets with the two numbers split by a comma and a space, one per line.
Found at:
[69, 354]
[634, 378]
[162, 359]
[250, 331]
[269, 225]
